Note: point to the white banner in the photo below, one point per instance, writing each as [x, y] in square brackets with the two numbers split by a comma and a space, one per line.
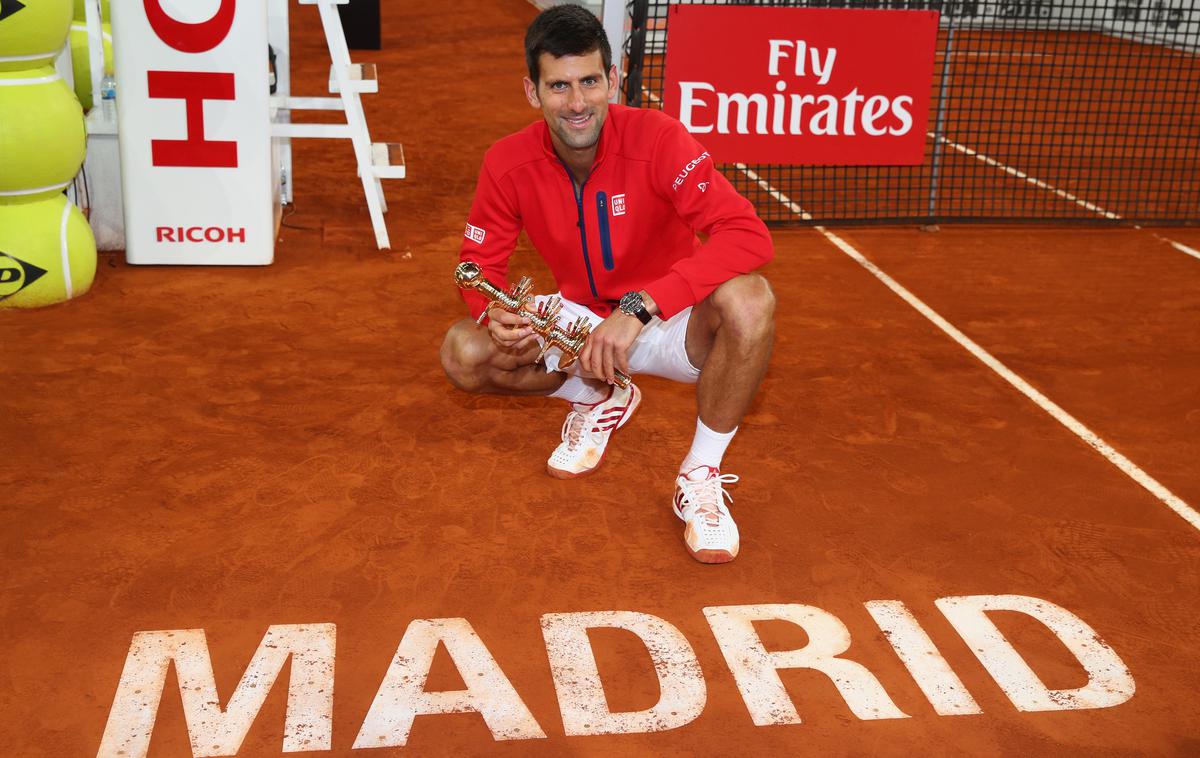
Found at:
[194, 129]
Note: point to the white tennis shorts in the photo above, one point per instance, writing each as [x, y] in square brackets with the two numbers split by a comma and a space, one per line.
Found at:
[660, 350]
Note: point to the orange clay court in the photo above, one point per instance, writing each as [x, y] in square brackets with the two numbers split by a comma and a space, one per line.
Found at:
[258, 481]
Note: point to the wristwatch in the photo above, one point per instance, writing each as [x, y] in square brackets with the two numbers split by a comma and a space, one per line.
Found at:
[631, 303]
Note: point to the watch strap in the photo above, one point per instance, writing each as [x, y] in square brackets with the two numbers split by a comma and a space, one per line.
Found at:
[640, 312]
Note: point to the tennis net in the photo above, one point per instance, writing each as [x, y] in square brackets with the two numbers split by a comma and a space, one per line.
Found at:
[1084, 111]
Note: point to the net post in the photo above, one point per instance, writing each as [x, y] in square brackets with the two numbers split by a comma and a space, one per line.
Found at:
[938, 126]
[636, 57]
[612, 16]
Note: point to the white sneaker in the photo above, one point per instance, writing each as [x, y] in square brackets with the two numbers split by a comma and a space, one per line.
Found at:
[585, 433]
[711, 535]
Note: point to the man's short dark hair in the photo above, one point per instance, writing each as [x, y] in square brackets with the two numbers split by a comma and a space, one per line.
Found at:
[565, 30]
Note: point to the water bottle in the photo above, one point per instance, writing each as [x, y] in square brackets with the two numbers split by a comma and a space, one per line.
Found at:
[108, 98]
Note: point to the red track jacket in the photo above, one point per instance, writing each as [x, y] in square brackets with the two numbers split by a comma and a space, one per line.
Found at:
[633, 224]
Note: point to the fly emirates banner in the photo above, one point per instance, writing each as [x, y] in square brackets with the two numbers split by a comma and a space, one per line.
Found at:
[802, 85]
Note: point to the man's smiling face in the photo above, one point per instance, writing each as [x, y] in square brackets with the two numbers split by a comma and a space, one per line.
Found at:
[572, 93]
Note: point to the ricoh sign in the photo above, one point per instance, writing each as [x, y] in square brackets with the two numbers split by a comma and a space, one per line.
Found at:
[194, 131]
[802, 85]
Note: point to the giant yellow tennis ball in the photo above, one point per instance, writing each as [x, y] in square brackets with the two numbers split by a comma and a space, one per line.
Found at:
[47, 253]
[81, 60]
[42, 134]
[32, 32]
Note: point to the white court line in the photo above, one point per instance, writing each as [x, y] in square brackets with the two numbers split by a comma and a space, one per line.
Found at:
[1181, 247]
[1022, 175]
[1061, 193]
[1128, 467]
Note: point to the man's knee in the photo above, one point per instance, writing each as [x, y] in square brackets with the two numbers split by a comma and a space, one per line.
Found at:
[465, 357]
[746, 304]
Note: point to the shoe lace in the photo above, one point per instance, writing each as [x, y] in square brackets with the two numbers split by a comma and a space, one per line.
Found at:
[707, 495]
[580, 427]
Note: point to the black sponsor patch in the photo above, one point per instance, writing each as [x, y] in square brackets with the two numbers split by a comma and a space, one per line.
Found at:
[9, 7]
[16, 274]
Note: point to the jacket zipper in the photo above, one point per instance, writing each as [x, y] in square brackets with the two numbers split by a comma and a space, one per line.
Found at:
[587, 264]
[605, 240]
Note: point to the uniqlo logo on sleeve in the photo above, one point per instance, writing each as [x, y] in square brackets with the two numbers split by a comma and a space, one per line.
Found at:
[618, 205]
[475, 234]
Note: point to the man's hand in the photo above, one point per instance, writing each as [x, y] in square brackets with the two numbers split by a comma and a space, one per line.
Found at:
[509, 330]
[607, 347]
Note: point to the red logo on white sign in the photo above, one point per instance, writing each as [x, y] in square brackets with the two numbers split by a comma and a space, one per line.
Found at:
[618, 205]
[193, 87]
[475, 234]
[200, 234]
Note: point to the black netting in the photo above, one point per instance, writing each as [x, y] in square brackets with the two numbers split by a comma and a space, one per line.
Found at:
[1041, 110]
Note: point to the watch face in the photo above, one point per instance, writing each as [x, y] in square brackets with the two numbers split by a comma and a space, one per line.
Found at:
[633, 305]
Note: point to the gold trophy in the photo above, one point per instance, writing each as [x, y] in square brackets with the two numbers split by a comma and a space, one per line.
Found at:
[569, 339]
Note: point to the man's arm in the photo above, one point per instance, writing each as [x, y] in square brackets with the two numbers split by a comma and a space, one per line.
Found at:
[607, 347]
[738, 241]
[491, 233]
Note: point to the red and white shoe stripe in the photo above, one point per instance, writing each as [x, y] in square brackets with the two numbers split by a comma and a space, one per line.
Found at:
[611, 418]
